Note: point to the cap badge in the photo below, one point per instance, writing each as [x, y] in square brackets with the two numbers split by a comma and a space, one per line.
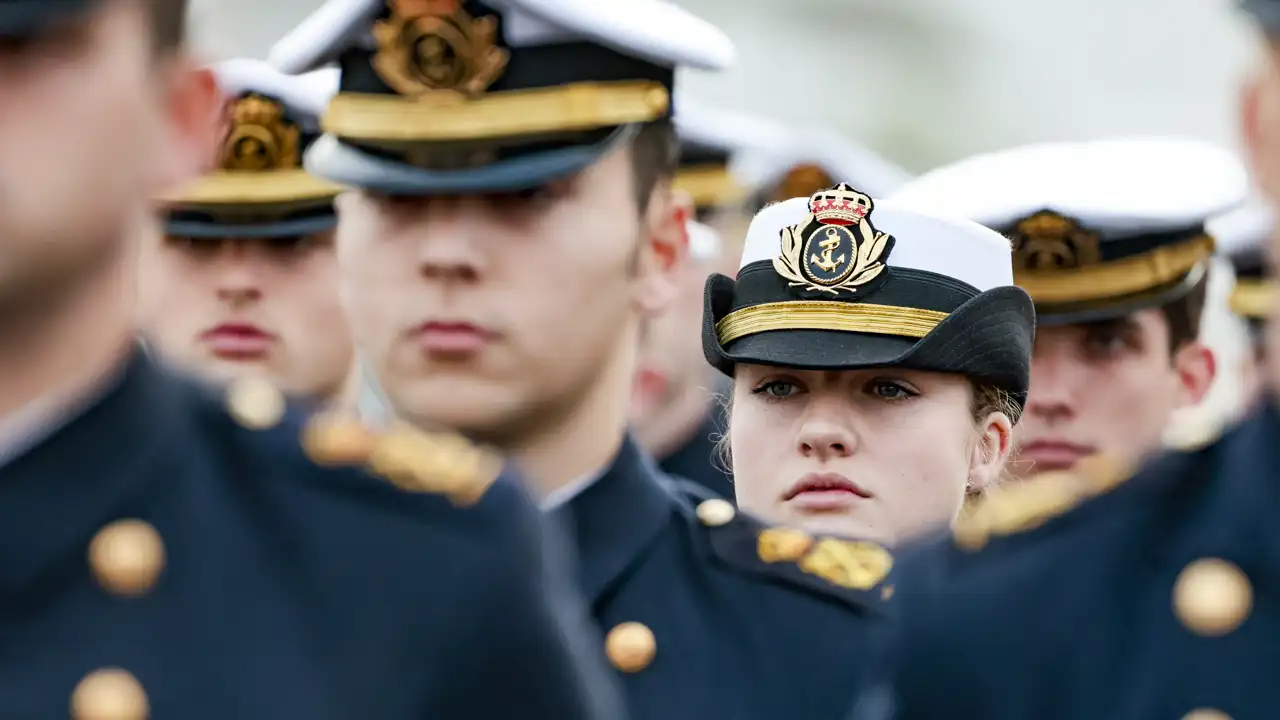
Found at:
[1047, 240]
[259, 138]
[835, 247]
[429, 46]
[802, 180]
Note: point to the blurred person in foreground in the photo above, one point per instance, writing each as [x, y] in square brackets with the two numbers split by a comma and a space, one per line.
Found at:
[1103, 594]
[513, 229]
[244, 280]
[1109, 239]
[168, 552]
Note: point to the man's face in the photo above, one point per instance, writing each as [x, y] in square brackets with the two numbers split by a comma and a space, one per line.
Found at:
[1108, 387]
[497, 315]
[87, 135]
[227, 308]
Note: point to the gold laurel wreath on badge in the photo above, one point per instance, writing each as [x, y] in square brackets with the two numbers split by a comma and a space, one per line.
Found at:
[429, 46]
[835, 247]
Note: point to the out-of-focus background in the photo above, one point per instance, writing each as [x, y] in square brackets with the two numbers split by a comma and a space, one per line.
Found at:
[924, 82]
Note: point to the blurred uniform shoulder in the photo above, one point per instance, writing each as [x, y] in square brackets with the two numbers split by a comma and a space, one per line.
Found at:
[439, 479]
[1058, 515]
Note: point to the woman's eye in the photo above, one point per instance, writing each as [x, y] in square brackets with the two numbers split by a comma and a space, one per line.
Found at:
[776, 389]
[889, 390]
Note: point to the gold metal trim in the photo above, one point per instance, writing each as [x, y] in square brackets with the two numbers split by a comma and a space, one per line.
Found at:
[253, 188]
[709, 185]
[828, 315]
[1252, 298]
[444, 116]
[1115, 278]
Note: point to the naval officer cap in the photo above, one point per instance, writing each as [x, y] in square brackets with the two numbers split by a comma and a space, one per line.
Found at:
[447, 97]
[1100, 229]
[1265, 12]
[838, 281]
[711, 141]
[259, 187]
[798, 163]
[1242, 237]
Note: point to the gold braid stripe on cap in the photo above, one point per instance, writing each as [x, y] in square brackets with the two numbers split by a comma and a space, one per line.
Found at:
[828, 315]
[249, 188]
[1252, 298]
[444, 116]
[709, 185]
[1115, 278]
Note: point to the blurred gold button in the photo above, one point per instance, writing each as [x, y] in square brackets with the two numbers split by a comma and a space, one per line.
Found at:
[717, 512]
[127, 557]
[1212, 596]
[630, 647]
[255, 403]
[109, 694]
[333, 440]
[1206, 714]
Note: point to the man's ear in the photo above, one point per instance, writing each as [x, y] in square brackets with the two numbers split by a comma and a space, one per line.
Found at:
[194, 123]
[1196, 366]
[664, 249]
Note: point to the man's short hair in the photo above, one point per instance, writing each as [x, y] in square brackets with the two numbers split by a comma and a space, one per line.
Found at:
[655, 155]
[1183, 315]
[168, 24]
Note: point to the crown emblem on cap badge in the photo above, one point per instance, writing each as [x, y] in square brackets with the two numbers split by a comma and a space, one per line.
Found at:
[835, 247]
[1047, 240]
[259, 137]
[428, 47]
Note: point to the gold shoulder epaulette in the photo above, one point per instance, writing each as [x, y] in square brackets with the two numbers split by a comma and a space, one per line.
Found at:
[822, 562]
[441, 463]
[851, 564]
[1028, 504]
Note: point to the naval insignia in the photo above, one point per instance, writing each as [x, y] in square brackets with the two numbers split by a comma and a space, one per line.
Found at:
[857, 565]
[429, 46]
[1047, 240]
[259, 137]
[835, 247]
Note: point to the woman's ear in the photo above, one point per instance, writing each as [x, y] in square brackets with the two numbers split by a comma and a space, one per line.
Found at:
[989, 453]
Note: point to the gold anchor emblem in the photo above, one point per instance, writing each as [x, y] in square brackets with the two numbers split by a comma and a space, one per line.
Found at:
[829, 246]
[845, 251]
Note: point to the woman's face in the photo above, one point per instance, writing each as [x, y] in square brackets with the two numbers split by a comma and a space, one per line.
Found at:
[878, 454]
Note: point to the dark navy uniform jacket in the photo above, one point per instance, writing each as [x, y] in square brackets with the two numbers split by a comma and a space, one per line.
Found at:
[747, 621]
[1156, 599]
[288, 590]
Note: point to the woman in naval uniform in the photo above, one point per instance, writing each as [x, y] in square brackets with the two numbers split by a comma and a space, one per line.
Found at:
[880, 358]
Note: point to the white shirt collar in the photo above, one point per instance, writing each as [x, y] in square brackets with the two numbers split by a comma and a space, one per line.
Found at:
[565, 493]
